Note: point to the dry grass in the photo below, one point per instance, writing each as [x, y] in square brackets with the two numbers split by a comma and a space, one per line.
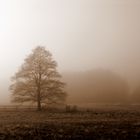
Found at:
[97, 124]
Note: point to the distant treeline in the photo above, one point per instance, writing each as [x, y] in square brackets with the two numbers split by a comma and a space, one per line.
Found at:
[99, 86]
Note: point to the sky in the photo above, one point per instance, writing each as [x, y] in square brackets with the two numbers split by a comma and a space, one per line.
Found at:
[81, 34]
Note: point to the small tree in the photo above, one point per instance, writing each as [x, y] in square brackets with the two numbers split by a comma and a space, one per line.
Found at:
[37, 80]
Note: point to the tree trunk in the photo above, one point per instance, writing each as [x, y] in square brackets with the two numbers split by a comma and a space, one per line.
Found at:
[38, 99]
[38, 94]
[38, 105]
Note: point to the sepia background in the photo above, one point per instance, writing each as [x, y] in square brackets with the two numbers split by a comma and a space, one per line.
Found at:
[86, 37]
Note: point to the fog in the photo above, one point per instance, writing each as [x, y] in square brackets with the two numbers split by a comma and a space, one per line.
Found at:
[82, 35]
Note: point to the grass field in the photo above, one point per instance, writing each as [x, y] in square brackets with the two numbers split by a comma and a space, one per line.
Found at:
[118, 123]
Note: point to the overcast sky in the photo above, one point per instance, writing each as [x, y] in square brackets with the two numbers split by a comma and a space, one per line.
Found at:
[81, 34]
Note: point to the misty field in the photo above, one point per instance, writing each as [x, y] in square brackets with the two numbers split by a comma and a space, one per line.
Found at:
[96, 124]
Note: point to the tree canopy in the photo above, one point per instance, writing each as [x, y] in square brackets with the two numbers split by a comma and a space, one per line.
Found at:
[38, 80]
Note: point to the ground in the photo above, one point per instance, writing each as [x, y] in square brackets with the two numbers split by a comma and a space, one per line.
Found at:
[100, 123]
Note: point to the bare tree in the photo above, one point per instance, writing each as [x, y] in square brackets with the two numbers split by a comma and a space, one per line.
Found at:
[37, 80]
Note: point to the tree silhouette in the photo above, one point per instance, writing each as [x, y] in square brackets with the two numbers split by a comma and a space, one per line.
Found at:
[96, 86]
[37, 80]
